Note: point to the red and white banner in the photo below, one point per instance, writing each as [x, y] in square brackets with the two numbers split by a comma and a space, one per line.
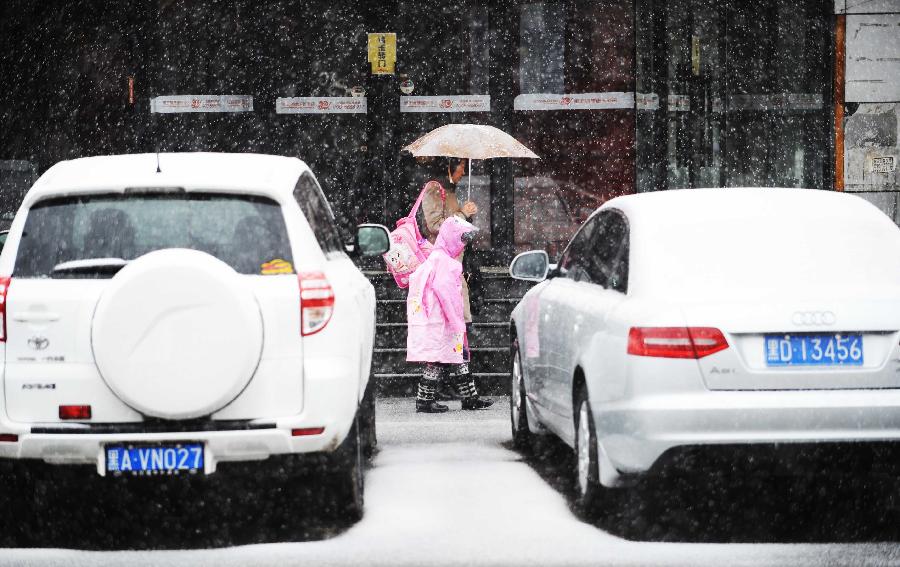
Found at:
[321, 105]
[577, 101]
[783, 101]
[646, 101]
[172, 104]
[679, 103]
[450, 103]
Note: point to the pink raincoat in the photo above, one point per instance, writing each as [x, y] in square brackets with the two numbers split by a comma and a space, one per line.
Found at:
[436, 325]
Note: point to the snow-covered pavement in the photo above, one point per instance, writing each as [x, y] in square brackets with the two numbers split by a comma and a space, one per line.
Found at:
[446, 490]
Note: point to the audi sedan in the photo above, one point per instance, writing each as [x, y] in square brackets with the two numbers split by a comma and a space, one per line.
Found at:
[681, 321]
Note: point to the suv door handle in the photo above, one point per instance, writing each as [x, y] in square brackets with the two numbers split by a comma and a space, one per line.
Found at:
[36, 317]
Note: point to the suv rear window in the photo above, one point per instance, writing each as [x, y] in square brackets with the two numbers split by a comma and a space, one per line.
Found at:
[247, 233]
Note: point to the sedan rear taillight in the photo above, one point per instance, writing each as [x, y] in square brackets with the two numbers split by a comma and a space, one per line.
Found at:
[675, 342]
[316, 302]
[4, 288]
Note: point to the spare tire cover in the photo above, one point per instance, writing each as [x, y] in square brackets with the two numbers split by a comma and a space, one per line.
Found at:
[177, 334]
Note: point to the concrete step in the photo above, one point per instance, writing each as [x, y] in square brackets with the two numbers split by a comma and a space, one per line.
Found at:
[404, 384]
[491, 310]
[504, 286]
[494, 285]
[489, 341]
[484, 360]
[393, 335]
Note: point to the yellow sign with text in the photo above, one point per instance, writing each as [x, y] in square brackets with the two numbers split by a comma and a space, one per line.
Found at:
[382, 53]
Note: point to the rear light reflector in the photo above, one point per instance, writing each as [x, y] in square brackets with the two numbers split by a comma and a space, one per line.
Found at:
[316, 302]
[74, 412]
[4, 288]
[675, 342]
[8, 438]
[307, 431]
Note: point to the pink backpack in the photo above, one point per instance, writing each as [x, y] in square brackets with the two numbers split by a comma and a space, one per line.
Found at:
[408, 248]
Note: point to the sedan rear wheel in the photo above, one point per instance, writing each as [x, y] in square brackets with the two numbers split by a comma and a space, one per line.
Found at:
[521, 434]
[587, 485]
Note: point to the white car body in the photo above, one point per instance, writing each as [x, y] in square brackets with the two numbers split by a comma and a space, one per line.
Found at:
[298, 383]
[748, 262]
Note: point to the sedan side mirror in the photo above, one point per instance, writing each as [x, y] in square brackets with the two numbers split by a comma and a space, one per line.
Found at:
[530, 266]
[372, 240]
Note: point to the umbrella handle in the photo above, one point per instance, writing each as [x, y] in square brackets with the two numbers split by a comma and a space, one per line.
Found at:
[469, 188]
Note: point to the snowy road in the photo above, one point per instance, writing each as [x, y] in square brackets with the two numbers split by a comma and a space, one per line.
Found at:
[447, 490]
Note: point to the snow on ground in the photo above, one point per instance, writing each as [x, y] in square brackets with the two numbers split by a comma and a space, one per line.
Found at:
[444, 490]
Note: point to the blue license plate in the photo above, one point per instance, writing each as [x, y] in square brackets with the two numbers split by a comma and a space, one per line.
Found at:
[814, 349]
[163, 459]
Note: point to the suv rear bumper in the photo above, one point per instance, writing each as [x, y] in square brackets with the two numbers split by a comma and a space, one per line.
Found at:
[243, 445]
[331, 403]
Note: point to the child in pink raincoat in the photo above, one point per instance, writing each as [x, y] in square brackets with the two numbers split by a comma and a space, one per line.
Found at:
[436, 323]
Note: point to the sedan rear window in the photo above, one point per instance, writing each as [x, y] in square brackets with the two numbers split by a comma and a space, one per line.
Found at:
[85, 236]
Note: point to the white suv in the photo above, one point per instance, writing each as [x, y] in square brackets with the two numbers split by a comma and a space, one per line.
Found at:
[163, 314]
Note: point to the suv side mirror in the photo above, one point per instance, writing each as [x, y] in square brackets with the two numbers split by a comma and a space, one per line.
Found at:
[3, 235]
[372, 240]
[530, 266]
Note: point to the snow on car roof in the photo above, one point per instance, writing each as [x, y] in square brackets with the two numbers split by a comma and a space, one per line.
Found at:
[191, 171]
[759, 241]
[735, 202]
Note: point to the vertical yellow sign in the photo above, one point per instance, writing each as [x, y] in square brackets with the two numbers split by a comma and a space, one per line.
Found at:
[382, 53]
[695, 55]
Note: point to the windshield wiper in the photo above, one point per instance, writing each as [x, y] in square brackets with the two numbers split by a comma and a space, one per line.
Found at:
[91, 265]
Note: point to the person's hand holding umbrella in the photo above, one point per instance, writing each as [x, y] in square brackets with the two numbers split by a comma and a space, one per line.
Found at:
[468, 208]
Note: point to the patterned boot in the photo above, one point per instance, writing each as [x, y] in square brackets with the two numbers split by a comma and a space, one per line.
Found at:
[465, 388]
[427, 386]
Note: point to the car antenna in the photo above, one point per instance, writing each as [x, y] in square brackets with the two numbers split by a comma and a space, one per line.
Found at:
[158, 170]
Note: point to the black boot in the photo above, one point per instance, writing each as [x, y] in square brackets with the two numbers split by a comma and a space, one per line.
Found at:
[445, 392]
[430, 406]
[427, 386]
[476, 403]
[465, 388]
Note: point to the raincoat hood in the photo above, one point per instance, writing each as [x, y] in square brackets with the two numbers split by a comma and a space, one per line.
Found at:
[450, 236]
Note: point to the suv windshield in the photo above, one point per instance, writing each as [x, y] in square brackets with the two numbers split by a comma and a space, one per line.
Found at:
[68, 236]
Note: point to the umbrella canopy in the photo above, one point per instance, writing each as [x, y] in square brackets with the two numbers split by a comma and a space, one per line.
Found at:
[470, 141]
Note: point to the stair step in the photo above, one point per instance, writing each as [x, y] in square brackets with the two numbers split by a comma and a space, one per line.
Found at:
[504, 286]
[475, 350]
[404, 384]
[389, 335]
[490, 310]
[393, 361]
[494, 285]
[490, 335]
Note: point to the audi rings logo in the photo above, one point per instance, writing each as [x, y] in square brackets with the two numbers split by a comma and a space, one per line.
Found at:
[813, 318]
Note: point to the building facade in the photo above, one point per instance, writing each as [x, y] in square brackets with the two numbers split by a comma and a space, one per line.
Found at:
[615, 96]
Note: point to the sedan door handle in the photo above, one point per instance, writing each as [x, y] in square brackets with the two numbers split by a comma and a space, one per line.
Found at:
[36, 317]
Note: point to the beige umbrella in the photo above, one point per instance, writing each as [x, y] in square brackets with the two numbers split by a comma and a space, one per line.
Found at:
[470, 141]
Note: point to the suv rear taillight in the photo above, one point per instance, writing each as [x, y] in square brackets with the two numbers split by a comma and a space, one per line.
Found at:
[675, 342]
[4, 288]
[316, 302]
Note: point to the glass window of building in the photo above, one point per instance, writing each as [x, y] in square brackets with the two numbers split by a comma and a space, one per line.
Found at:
[744, 93]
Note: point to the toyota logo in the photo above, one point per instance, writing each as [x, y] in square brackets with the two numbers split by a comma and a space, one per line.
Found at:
[38, 343]
[814, 318]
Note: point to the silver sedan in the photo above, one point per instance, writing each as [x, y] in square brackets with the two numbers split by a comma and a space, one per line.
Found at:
[683, 320]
